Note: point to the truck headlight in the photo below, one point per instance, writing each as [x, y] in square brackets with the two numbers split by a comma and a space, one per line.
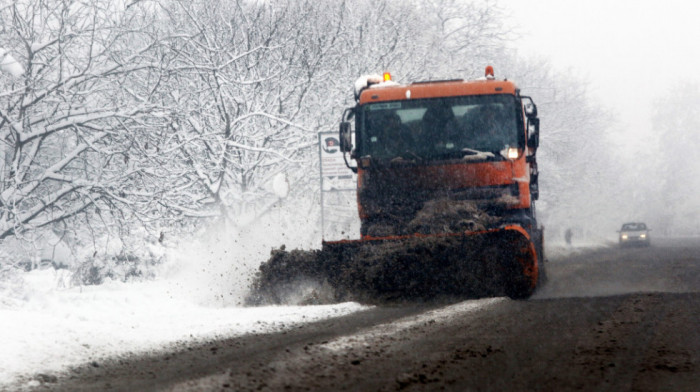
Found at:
[624, 236]
[513, 153]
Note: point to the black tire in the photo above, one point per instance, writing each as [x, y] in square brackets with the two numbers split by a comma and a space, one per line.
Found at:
[517, 285]
[519, 289]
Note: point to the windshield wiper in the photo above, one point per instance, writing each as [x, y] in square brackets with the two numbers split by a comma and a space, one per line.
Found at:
[466, 154]
[406, 157]
[471, 154]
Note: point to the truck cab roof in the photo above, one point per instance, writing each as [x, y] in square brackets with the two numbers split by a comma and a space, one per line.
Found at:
[390, 91]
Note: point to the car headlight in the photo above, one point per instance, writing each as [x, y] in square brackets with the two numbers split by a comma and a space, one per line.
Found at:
[624, 236]
[643, 236]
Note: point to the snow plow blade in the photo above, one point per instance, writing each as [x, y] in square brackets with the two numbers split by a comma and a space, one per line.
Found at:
[493, 262]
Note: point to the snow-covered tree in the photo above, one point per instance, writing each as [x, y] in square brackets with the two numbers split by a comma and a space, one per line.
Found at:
[676, 121]
[66, 128]
[254, 82]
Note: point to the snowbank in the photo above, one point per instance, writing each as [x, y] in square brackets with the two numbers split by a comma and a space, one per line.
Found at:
[47, 327]
[47, 324]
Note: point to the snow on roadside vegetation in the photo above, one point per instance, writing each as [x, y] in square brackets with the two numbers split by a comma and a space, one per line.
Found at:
[9, 64]
[47, 324]
[559, 249]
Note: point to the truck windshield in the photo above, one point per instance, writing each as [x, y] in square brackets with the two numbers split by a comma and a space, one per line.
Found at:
[438, 128]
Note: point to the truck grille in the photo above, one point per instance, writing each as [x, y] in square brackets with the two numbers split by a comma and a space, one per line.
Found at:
[400, 201]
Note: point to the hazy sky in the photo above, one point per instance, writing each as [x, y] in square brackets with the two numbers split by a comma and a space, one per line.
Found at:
[630, 51]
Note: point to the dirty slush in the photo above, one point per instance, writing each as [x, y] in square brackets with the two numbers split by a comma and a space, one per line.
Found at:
[445, 264]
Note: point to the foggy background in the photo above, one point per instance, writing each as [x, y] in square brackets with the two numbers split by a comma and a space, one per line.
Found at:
[638, 62]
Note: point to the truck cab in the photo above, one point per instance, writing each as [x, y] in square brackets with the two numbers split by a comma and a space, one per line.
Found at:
[451, 140]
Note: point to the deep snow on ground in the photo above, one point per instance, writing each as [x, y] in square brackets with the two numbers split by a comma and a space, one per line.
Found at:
[49, 324]
[50, 328]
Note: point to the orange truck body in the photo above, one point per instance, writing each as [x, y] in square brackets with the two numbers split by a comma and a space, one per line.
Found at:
[454, 174]
[502, 180]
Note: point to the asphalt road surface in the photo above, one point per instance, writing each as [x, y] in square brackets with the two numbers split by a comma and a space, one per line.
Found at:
[607, 320]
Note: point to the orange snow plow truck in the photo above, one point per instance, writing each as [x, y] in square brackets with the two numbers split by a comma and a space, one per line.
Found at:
[446, 189]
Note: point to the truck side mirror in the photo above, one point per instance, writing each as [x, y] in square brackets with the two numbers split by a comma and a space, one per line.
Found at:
[533, 132]
[529, 107]
[344, 137]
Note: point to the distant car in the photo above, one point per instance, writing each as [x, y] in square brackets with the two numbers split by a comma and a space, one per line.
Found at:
[634, 234]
